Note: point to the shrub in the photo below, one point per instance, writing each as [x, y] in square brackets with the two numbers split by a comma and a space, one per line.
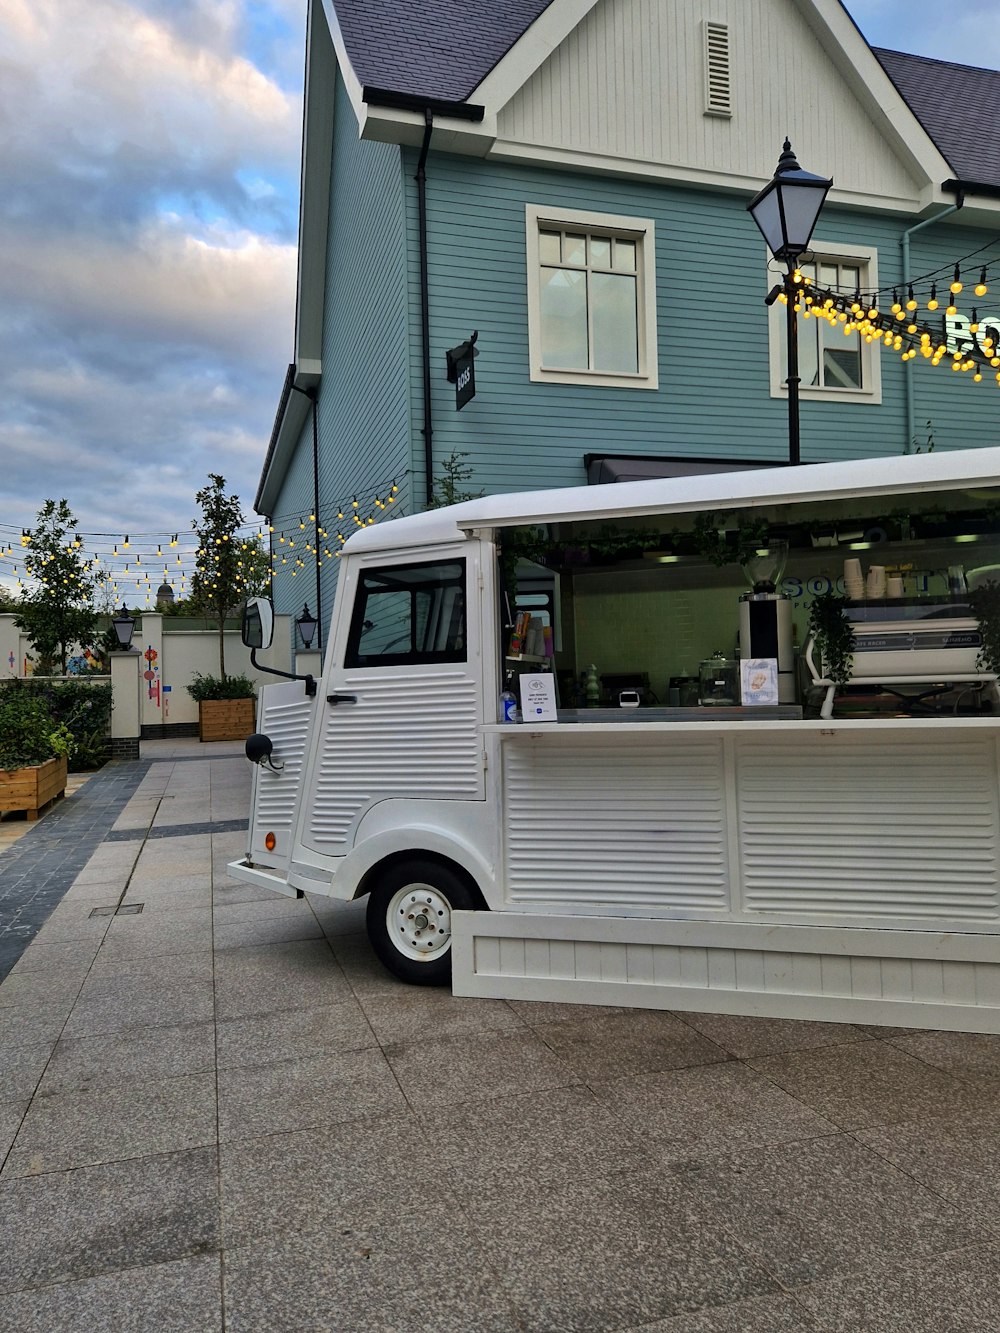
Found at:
[26, 728]
[78, 713]
[214, 687]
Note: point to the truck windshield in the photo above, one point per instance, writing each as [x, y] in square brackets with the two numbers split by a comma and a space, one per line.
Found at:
[409, 614]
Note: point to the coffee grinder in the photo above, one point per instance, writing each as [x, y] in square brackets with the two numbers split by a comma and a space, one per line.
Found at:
[766, 615]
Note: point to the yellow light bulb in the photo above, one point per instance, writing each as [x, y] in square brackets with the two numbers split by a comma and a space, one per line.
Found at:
[932, 304]
[981, 289]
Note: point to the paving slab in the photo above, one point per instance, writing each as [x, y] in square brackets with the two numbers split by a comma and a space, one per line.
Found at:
[110, 1122]
[206, 1124]
[102, 1219]
[822, 1208]
[178, 1297]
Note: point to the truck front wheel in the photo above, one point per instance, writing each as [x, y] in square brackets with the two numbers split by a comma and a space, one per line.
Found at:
[409, 919]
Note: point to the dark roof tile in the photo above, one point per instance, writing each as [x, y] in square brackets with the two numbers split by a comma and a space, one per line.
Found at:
[440, 50]
[958, 106]
[443, 49]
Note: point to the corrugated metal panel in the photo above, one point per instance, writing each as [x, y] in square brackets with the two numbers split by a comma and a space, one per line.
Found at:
[640, 824]
[276, 797]
[895, 830]
[912, 978]
[407, 735]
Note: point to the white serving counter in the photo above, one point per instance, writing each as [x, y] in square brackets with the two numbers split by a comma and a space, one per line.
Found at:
[800, 867]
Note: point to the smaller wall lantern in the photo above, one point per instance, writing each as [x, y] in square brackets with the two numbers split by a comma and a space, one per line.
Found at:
[124, 626]
[306, 623]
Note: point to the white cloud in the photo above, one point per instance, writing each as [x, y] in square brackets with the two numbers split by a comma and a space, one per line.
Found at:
[147, 253]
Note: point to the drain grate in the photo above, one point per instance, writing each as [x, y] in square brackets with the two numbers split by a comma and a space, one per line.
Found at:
[130, 909]
[104, 911]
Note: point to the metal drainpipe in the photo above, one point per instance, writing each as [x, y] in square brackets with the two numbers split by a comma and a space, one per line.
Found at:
[319, 584]
[908, 367]
[421, 179]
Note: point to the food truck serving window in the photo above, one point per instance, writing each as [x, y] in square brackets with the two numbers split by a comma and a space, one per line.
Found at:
[409, 614]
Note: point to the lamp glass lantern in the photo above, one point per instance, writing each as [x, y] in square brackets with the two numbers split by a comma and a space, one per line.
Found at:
[788, 207]
[306, 624]
[123, 624]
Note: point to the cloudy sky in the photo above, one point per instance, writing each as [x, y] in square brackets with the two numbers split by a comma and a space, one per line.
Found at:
[149, 155]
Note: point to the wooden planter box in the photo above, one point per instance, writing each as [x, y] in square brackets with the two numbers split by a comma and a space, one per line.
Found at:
[31, 789]
[225, 719]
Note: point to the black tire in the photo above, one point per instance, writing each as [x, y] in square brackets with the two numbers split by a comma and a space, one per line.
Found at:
[406, 895]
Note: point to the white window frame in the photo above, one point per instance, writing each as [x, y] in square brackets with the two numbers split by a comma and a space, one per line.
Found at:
[829, 252]
[640, 230]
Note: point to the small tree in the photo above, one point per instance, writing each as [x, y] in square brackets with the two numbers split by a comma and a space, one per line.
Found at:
[450, 487]
[217, 585]
[58, 611]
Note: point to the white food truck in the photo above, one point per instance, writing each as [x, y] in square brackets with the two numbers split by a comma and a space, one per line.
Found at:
[693, 805]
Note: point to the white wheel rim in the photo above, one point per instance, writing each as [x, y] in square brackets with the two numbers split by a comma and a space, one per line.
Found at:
[418, 921]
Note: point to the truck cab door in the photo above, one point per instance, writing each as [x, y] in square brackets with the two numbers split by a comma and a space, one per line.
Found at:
[402, 702]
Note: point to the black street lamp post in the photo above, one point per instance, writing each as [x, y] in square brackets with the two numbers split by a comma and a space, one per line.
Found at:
[786, 211]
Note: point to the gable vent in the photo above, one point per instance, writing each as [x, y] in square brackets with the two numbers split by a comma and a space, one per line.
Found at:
[718, 88]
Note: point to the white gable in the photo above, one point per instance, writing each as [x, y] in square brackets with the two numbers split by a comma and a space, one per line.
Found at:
[642, 86]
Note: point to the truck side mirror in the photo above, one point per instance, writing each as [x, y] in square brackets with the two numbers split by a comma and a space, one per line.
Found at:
[258, 623]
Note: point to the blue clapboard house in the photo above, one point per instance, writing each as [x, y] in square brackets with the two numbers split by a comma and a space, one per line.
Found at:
[554, 192]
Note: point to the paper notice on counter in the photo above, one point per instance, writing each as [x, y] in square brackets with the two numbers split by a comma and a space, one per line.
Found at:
[538, 697]
[759, 680]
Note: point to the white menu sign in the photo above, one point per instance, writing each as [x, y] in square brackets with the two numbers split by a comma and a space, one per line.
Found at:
[538, 697]
[759, 680]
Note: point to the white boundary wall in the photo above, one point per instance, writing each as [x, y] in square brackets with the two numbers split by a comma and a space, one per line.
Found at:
[170, 660]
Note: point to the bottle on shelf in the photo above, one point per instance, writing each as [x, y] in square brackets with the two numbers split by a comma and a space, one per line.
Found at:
[593, 687]
[508, 701]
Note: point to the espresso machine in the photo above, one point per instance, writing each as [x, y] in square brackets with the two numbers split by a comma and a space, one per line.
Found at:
[766, 615]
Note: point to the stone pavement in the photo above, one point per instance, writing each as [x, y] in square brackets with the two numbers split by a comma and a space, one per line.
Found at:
[218, 1112]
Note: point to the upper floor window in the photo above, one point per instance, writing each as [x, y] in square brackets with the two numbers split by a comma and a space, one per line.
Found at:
[832, 365]
[591, 298]
[407, 614]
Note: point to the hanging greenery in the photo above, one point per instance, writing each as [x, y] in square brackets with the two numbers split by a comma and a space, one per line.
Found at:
[985, 605]
[833, 636]
[728, 538]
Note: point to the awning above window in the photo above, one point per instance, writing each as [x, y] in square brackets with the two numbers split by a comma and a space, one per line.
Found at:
[603, 468]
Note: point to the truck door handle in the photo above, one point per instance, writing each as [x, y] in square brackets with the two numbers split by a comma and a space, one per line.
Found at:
[342, 698]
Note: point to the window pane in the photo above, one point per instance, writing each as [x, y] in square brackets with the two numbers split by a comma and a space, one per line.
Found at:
[600, 251]
[615, 323]
[809, 335]
[625, 256]
[829, 275]
[574, 249]
[387, 625]
[548, 247]
[850, 277]
[563, 310]
[409, 613]
[842, 364]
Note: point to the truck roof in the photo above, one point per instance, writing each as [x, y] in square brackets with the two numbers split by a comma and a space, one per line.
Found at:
[908, 473]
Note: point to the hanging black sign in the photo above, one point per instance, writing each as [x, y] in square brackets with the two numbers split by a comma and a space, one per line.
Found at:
[462, 372]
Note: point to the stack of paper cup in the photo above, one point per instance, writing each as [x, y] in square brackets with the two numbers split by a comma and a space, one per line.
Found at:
[894, 585]
[876, 581]
[853, 581]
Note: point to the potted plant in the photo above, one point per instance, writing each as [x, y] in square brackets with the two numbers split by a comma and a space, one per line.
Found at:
[225, 706]
[833, 636]
[984, 602]
[34, 752]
